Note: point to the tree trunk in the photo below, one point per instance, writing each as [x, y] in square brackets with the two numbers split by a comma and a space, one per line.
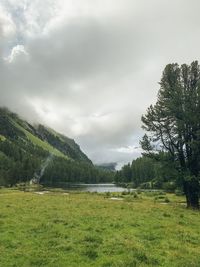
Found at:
[191, 190]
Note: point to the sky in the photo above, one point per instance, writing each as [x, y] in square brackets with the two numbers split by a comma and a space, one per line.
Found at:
[90, 68]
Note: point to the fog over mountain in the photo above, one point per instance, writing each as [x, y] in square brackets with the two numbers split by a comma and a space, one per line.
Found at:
[91, 68]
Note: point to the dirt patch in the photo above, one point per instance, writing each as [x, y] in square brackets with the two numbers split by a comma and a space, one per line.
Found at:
[42, 192]
[116, 198]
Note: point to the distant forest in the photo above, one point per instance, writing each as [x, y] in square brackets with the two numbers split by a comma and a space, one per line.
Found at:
[149, 173]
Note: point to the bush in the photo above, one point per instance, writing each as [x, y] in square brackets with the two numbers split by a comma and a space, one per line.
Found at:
[125, 193]
[169, 186]
[108, 194]
[179, 192]
[134, 194]
[167, 200]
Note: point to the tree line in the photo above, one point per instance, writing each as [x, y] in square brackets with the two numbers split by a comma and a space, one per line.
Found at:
[148, 173]
[19, 161]
[60, 172]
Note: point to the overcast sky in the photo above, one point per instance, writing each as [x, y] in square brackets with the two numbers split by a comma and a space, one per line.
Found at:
[90, 68]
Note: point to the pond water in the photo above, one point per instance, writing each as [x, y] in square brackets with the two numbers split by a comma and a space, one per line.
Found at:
[99, 188]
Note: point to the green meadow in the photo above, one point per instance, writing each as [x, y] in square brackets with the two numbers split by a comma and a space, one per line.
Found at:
[58, 229]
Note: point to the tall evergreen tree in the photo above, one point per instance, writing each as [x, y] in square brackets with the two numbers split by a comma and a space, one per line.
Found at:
[173, 124]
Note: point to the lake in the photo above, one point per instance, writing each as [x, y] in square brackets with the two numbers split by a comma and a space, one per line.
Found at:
[99, 188]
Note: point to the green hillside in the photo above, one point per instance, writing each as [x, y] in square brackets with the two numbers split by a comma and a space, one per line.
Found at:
[65, 145]
[24, 149]
[48, 139]
[39, 142]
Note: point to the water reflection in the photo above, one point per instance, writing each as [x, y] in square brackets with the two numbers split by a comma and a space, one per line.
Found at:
[99, 188]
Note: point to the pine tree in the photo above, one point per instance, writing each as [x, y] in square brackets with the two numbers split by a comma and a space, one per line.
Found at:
[173, 124]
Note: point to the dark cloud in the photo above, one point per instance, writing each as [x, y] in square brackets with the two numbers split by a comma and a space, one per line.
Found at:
[90, 70]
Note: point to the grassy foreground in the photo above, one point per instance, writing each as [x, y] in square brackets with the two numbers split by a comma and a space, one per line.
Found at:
[79, 230]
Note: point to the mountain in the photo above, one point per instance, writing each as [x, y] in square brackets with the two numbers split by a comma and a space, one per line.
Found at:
[25, 151]
[111, 166]
[13, 127]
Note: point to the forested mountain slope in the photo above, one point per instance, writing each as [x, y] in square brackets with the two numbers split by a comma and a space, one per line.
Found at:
[24, 149]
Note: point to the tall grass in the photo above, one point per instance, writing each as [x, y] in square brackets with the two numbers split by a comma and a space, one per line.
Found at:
[70, 230]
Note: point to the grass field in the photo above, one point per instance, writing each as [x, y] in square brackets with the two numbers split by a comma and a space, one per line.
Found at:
[86, 229]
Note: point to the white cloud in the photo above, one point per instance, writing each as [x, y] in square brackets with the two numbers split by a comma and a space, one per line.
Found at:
[128, 149]
[17, 51]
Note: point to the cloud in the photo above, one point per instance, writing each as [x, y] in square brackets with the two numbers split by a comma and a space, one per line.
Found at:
[90, 69]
